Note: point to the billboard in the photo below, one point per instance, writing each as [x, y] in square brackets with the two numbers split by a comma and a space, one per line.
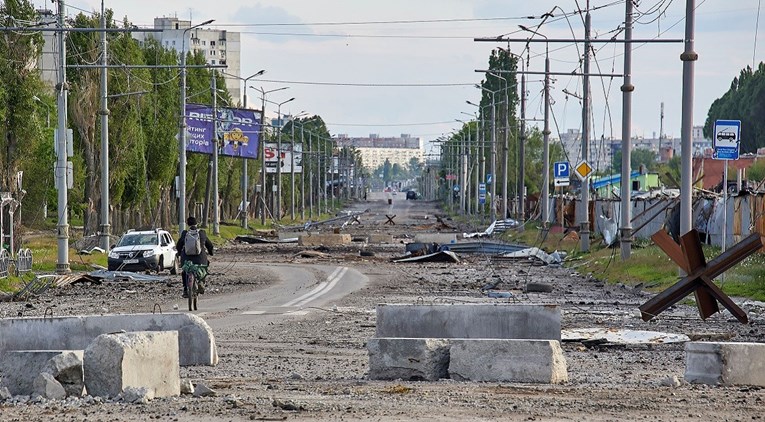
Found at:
[285, 159]
[238, 130]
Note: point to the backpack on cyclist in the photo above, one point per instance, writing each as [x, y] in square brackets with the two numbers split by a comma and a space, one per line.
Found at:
[192, 245]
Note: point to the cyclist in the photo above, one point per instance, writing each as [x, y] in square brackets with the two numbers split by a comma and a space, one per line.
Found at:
[195, 249]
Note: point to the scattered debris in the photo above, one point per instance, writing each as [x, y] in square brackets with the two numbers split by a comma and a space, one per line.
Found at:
[311, 254]
[254, 239]
[124, 275]
[91, 251]
[494, 294]
[711, 336]
[608, 228]
[201, 390]
[42, 283]
[140, 395]
[286, 405]
[441, 256]
[549, 259]
[490, 248]
[498, 226]
[672, 381]
[619, 336]
[398, 389]
[538, 288]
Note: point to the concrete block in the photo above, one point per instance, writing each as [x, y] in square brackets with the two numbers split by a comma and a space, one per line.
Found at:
[289, 235]
[66, 368]
[380, 238]
[326, 239]
[46, 386]
[408, 359]
[495, 360]
[725, 363]
[498, 321]
[440, 238]
[115, 362]
[20, 368]
[195, 338]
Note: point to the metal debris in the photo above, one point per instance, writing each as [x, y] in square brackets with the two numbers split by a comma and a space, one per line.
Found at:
[124, 275]
[42, 283]
[254, 239]
[498, 226]
[441, 256]
[490, 248]
[549, 259]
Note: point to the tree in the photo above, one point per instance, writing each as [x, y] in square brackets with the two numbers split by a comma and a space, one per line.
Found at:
[745, 101]
[23, 140]
[638, 157]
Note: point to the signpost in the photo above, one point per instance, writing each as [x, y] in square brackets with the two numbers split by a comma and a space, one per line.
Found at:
[562, 173]
[727, 144]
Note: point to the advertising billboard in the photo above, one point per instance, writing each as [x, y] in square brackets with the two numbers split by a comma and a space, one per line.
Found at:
[285, 159]
[238, 130]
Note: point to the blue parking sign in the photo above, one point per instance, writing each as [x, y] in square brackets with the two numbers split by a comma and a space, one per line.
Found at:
[562, 170]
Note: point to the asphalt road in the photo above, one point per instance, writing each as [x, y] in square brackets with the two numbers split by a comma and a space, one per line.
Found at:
[298, 289]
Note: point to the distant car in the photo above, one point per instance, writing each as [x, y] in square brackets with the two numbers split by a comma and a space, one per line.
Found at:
[150, 250]
[388, 189]
[411, 194]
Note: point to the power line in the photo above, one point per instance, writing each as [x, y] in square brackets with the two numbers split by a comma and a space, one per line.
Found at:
[390, 124]
[369, 85]
[391, 22]
[308, 34]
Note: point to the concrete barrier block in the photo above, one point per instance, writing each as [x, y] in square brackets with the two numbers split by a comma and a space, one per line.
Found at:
[326, 239]
[725, 363]
[115, 362]
[20, 368]
[495, 360]
[440, 238]
[47, 386]
[196, 339]
[499, 321]
[412, 359]
[380, 238]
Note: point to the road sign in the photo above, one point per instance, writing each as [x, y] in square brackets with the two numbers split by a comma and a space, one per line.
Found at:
[562, 169]
[488, 178]
[481, 198]
[583, 170]
[561, 173]
[727, 139]
[482, 188]
[456, 188]
[451, 177]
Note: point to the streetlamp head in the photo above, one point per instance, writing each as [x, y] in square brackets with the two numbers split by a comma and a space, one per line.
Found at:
[207, 22]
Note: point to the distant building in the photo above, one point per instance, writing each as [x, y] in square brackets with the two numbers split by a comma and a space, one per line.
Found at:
[217, 46]
[375, 150]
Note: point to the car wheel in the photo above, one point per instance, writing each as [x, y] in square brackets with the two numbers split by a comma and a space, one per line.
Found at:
[160, 264]
[175, 269]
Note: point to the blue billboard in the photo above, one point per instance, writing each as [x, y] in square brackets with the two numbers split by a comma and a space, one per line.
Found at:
[238, 130]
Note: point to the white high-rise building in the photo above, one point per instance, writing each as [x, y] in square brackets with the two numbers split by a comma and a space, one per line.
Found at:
[218, 46]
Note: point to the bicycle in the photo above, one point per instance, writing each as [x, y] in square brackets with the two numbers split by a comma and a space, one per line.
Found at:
[195, 275]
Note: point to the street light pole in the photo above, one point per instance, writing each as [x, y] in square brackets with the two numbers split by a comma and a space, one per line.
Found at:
[245, 176]
[278, 204]
[493, 210]
[62, 259]
[104, 112]
[262, 148]
[626, 188]
[182, 133]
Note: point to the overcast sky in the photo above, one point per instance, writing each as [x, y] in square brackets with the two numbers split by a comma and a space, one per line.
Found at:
[428, 52]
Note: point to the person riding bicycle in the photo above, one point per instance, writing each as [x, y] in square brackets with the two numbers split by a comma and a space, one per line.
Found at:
[194, 246]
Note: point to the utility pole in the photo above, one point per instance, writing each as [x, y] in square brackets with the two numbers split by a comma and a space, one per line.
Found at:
[216, 144]
[62, 235]
[688, 58]
[104, 112]
[584, 212]
[626, 185]
[310, 177]
[493, 158]
[546, 159]
[463, 175]
[292, 169]
[522, 156]
[661, 126]
[302, 174]
[262, 152]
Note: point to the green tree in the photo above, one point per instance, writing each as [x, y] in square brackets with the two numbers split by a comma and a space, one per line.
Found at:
[638, 157]
[745, 101]
[23, 140]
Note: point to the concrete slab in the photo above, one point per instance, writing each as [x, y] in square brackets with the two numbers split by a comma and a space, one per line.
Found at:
[411, 359]
[440, 238]
[380, 238]
[326, 239]
[725, 363]
[20, 368]
[116, 362]
[195, 338]
[493, 321]
[496, 360]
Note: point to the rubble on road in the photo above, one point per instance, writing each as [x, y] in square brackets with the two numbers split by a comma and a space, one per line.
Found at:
[101, 275]
[621, 336]
[497, 226]
[256, 239]
[549, 259]
[440, 256]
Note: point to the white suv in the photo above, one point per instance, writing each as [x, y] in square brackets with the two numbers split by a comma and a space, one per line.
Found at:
[143, 251]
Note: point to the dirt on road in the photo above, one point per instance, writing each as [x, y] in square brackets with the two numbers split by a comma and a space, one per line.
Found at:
[313, 366]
